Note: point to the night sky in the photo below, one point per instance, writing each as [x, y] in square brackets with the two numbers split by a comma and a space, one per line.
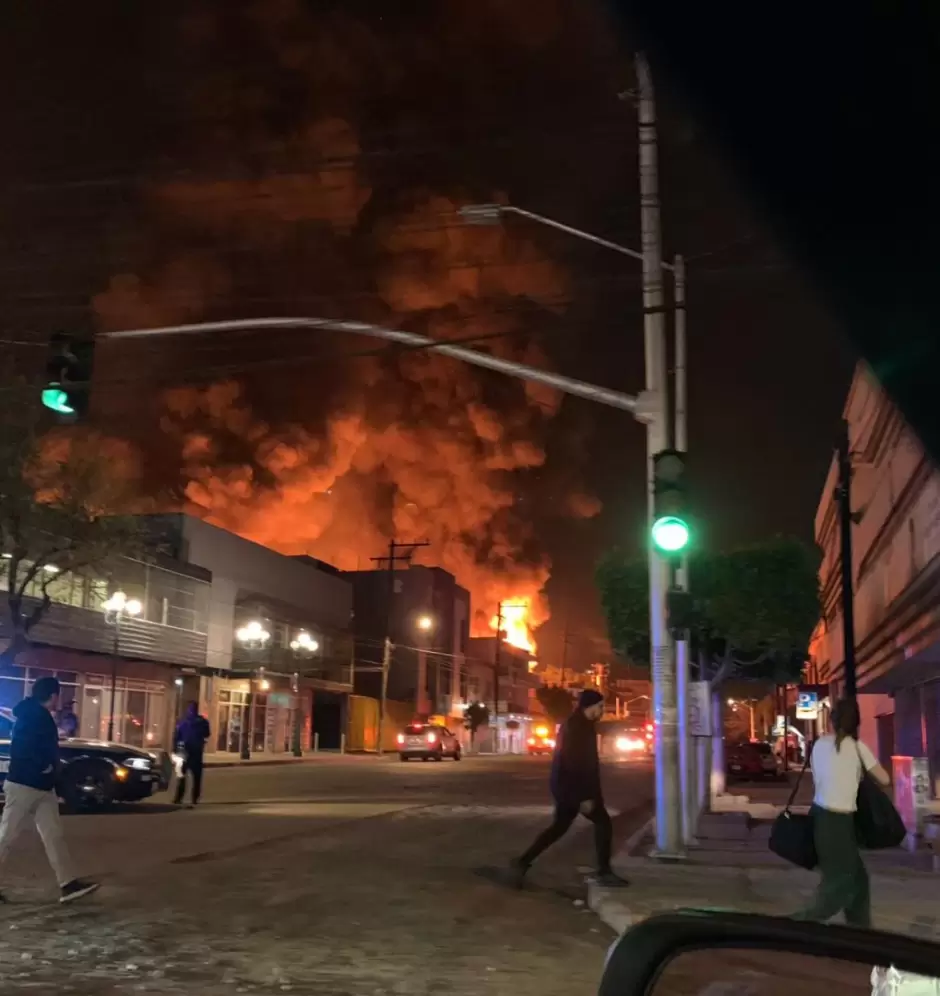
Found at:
[125, 125]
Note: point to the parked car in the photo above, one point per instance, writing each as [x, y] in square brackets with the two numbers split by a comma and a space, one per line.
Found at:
[428, 742]
[751, 761]
[95, 773]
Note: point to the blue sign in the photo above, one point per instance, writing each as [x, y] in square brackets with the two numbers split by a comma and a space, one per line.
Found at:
[807, 705]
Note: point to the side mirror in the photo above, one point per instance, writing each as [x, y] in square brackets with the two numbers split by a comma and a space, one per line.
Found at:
[714, 953]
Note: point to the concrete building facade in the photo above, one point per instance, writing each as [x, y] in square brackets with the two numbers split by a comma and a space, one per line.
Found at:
[896, 576]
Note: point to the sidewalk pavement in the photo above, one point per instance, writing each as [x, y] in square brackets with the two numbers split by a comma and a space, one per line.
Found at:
[731, 867]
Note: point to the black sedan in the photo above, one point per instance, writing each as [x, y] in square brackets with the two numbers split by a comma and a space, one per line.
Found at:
[95, 773]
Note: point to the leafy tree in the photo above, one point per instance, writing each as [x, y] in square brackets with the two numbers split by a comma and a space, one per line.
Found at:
[556, 701]
[59, 491]
[753, 608]
[475, 716]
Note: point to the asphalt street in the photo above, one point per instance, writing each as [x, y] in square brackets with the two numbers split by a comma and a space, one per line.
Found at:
[340, 876]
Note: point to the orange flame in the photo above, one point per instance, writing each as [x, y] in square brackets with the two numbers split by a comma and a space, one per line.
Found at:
[516, 615]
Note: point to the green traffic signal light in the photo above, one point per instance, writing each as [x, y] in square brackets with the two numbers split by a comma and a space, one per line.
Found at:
[58, 400]
[670, 534]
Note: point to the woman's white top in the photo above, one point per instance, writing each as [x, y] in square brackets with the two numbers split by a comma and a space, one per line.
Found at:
[837, 773]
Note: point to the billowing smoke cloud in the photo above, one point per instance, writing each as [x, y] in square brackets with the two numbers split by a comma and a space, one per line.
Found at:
[408, 445]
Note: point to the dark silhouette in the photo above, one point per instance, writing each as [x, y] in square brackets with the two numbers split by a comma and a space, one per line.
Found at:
[191, 736]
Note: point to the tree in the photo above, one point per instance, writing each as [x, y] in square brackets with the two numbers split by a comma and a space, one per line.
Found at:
[475, 716]
[753, 608]
[556, 701]
[65, 497]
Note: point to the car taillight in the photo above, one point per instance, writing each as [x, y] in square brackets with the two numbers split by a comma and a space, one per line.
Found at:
[432, 738]
[531, 741]
[649, 727]
[401, 738]
[649, 736]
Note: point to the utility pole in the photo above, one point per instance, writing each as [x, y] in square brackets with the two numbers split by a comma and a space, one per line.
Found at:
[393, 556]
[564, 651]
[688, 749]
[496, 664]
[668, 801]
[843, 496]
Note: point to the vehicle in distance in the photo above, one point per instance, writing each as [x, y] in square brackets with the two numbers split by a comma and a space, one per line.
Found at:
[542, 741]
[94, 773]
[629, 739]
[428, 742]
[751, 761]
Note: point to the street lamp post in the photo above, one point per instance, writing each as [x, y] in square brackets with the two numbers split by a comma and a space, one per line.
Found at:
[116, 609]
[302, 646]
[253, 637]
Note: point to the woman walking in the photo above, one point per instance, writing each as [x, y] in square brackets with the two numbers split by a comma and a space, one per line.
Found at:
[839, 762]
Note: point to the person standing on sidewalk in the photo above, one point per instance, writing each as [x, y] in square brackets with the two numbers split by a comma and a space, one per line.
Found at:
[191, 736]
[576, 788]
[839, 762]
[29, 790]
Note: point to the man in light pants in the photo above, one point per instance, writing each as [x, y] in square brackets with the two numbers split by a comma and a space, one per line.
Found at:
[29, 790]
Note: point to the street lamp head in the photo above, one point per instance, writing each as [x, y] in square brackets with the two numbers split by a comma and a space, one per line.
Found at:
[303, 641]
[425, 624]
[116, 602]
[481, 214]
[133, 607]
[252, 632]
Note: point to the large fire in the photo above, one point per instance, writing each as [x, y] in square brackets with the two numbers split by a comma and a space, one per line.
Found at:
[336, 453]
[516, 620]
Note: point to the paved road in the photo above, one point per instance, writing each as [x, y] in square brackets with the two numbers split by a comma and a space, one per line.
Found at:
[346, 878]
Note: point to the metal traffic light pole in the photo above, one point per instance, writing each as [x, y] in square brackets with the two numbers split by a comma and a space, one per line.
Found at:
[662, 652]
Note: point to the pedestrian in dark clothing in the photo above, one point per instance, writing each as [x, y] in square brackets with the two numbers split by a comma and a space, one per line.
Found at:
[576, 789]
[29, 791]
[191, 736]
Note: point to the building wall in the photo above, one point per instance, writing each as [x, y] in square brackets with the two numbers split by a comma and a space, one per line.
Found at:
[896, 576]
[241, 568]
[416, 591]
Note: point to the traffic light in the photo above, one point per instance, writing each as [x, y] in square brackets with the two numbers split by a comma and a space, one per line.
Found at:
[680, 611]
[670, 531]
[68, 376]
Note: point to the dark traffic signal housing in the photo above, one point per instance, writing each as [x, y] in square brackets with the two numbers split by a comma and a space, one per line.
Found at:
[680, 611]
[670, 531]
[67, 386]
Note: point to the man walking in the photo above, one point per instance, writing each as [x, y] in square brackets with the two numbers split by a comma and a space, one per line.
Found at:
[191, 736]
[29, 790]
[576, 788]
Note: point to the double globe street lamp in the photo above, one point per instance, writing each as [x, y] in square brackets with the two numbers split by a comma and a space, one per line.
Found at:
[117, 608]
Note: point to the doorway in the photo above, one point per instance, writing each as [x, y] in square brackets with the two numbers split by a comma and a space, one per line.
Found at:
[328, 719]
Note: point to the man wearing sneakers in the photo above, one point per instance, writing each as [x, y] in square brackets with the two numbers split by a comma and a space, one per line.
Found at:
[576, 788]
[29, 790]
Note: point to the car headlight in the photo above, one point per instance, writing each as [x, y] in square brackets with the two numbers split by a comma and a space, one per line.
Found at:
[138, 763]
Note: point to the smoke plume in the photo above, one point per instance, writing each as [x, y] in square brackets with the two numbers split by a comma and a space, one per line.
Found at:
[409, 445]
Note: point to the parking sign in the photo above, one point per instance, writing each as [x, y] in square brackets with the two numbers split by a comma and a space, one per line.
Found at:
[807, 705]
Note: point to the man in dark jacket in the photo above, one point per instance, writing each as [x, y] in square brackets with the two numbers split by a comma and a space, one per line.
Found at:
[576, 788]
[29, 790]
[191, 736]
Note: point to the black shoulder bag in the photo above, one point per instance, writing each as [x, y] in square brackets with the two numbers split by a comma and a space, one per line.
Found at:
[791, 836]
[878, 824]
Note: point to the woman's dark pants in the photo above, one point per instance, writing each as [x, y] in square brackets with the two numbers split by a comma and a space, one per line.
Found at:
[843, 885]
